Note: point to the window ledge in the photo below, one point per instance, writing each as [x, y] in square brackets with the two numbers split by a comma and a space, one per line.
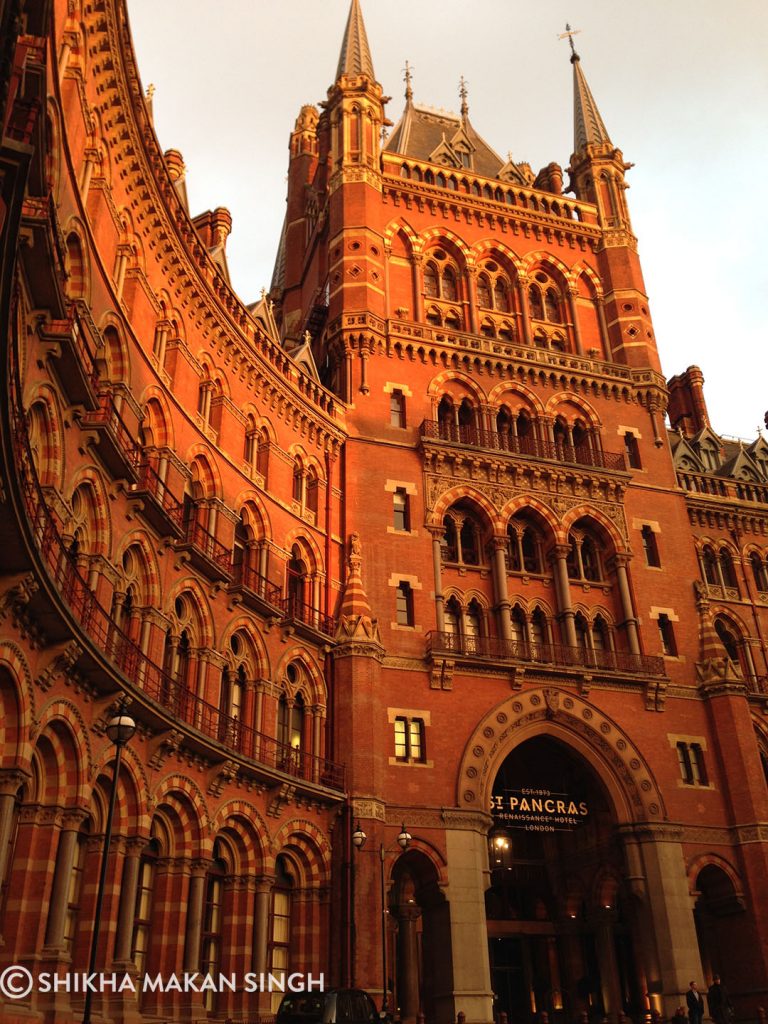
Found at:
[408, 762]
[406, 629]
[402, 533]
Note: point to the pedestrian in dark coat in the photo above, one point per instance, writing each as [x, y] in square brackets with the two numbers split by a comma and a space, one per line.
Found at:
[695, 1001]
[720, 1008]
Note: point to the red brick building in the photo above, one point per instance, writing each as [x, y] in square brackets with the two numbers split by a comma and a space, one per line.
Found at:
[406, 542]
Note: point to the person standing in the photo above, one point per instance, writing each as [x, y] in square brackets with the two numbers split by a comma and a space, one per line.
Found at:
[695, 1002]
[720, 1008]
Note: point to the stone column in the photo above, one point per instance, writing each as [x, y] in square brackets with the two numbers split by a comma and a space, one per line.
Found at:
[127, 906]
[408, 962]
[630, 619]
[437, 563]
[574, 311]
[418, 312]
[600, 307]
[469, 988]
[121, 265]
[670, 912]
[471, 304]
[10, 784]
[525, 309]
[563, 590]
[606, 954]
[499, 545]
[65, 859]
[194, 927]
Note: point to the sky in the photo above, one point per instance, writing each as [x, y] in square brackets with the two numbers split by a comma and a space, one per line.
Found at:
[682, 86]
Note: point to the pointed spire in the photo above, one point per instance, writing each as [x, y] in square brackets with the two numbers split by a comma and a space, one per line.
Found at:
[355, 56]
[588, 126]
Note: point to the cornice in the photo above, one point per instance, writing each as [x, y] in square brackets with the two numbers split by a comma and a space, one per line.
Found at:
[223, 321]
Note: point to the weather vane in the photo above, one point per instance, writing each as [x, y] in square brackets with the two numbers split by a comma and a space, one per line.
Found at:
[569, 34]
[463, 94]
[408, 90]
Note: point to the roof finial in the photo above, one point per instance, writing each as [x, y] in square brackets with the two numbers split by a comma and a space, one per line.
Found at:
[463, 94]
[569, 34]
[407, 78]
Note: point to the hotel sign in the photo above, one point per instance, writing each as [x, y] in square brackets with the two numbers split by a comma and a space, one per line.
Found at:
[538, 810]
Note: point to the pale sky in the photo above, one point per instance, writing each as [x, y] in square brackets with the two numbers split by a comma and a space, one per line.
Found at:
[682, 86]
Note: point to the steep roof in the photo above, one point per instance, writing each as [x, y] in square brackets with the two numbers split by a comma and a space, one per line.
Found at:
[439, 136]
[355, 57]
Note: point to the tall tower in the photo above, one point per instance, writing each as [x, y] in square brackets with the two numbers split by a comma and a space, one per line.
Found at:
[598, 176]
[515, 633]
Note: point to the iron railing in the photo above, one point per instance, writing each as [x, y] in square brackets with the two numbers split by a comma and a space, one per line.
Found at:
[493, 440]
[248, 578]
[127, 657]
[106, 416]
[300, 611]
[562, 656]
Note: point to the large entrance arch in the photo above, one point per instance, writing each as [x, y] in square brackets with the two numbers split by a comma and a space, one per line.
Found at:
[634, 950]
[560, 914]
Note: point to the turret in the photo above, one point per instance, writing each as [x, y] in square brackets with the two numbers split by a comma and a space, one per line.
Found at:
[597, 175]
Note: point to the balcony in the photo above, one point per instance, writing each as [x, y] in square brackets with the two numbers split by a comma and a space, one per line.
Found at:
[158, 506]
[255, 590]
[111, 439]
[491, 648]
[308, 621]
[205, 552]
[530, 447]
[74, 354]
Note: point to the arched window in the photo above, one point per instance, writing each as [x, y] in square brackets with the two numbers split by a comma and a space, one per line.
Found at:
[709, 566]
[467, 421]
[452, 617]
[484, 291]
[313, 487]
[446, 419]
[449, 543]
[501, 294]
[280, 938]
[474, 626]
[453, 320]
[431, 281]
[142, 917]
[211, 942]
[582, 632]
[298, 481]
[727, 570]
[251, 445]
[290, 722]
[759, 572]
[469, 538]
[296, 581]
[585, 560]
[728, 639]
[75, 888]
[552, 306]
[539, 635]
[517, 630]
[535, 303]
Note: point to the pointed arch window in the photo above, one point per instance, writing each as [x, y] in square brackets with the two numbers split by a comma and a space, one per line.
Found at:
[484, 291]
[213, 914]
[280, 938]
[142, 917]
[759, 571]
[75, 888]
[431, 281]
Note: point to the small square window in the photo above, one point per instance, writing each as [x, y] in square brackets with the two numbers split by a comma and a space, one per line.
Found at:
[401, 510]
[404, 604]
[666, 632]
[650, 547]
[397, 408]
[632, 450]
[409, 739]
[690, 758]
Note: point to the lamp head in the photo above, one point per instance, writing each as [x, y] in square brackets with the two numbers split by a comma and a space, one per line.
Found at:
[121, 729]
[359, 837]
[404, 838]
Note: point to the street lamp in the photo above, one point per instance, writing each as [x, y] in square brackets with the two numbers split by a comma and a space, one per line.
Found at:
[403, 840]
[120, 730]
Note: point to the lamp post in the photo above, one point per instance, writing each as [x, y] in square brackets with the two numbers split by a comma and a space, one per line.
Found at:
[403, 840]
[120, 729]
